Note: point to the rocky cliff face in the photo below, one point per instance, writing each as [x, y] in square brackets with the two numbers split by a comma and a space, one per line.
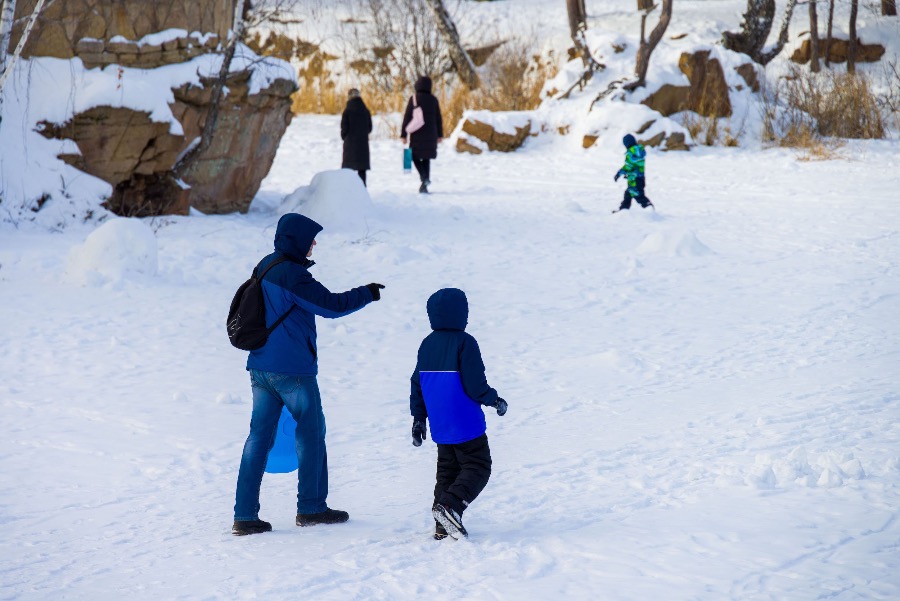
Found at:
[135, 154]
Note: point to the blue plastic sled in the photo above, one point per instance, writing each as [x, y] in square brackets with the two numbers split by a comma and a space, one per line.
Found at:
[283, 456]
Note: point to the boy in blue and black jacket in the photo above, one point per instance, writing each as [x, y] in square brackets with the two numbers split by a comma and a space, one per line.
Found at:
[449, 387]
[633, 170]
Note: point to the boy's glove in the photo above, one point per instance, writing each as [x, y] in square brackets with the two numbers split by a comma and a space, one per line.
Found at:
[418, 432]
[618, 175]
[375, 290]
[502, 406]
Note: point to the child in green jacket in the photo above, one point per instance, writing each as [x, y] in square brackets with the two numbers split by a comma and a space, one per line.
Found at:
[633, 170]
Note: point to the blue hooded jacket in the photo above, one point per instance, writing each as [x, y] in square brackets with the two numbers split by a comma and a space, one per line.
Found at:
[291, 347]
[448, 385]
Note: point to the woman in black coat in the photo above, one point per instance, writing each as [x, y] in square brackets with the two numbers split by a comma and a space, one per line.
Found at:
[424, 141]
[356, 125]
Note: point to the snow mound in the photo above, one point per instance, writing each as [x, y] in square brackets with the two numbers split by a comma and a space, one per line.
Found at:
[826, 470]
[113, 251]
[673, 242]
[337, 200]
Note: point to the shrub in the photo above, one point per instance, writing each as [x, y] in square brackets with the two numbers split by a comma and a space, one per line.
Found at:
[806, 108]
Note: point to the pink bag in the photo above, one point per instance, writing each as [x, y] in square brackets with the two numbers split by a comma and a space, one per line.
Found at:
[418, 118]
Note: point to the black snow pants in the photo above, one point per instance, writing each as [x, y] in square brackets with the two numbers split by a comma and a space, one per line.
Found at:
[463, 470]
[638, 191]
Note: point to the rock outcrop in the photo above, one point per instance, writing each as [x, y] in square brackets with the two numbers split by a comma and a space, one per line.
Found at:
[838, 51]
[490, 137]
[125, 147]
[706, 95]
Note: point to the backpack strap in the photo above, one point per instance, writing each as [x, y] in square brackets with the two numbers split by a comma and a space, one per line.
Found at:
[260, 277]
[281, 259]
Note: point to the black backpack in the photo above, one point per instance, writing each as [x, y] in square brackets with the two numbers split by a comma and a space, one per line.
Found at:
[247, 316]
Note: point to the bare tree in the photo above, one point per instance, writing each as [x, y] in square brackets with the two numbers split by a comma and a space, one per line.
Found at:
[851, 50]
[827, 50]
[7, 20]
[7, 16]
[406, 29]
[212, 118]
[461, 60]
[646, 48]
[813, 37]
[889, 8]
[766, 57]
[577, 26]
[755, 29]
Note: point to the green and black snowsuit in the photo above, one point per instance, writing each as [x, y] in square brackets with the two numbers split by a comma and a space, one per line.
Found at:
[633, 170]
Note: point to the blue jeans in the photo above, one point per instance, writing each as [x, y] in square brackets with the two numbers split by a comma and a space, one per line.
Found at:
[300, 394]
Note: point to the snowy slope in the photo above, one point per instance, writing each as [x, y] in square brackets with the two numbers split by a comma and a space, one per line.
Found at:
[703, 400]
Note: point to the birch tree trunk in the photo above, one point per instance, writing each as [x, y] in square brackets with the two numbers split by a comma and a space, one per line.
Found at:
[646, 48]
[767, 57]
[10, 60]
[212, 118]
[755, 29]
[7, 15]
[461, 60]
[813, 37]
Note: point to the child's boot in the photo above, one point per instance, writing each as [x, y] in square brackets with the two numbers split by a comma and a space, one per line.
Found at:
[450, 520]
[439, 532]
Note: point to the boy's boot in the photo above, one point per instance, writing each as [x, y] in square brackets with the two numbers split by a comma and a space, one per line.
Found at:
[450, 520]
[329, 516]
[423, 189]
[244, 527]
[439, 532]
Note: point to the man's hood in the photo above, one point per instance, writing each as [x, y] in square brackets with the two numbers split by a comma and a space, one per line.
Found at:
[295, 234]
[448, 309]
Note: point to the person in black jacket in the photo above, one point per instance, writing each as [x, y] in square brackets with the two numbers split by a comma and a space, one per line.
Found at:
[356, 125]
[448, 388]
[424, 141]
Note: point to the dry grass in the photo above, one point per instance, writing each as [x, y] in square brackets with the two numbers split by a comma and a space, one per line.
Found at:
[813, 111]
[511, 80]
[709, 132]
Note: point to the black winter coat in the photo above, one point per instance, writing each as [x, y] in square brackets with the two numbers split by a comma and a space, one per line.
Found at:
[356, 125]
[424, 141]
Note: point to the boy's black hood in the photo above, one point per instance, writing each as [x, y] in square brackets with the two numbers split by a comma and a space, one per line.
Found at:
[448, 309]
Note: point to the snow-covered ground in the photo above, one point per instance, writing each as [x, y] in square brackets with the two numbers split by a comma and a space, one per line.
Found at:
[703, 400]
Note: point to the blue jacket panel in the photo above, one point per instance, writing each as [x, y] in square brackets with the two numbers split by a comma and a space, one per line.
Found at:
[291, 347]
[453, 416]
[449, 385]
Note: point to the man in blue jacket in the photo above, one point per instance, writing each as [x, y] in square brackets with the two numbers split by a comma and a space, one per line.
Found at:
[449, 387]
[283, 374]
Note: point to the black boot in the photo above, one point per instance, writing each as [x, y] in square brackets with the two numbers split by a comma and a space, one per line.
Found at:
[450, 520]
[244, 527]
[439, 532]
[423, 189]
[329, 516]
